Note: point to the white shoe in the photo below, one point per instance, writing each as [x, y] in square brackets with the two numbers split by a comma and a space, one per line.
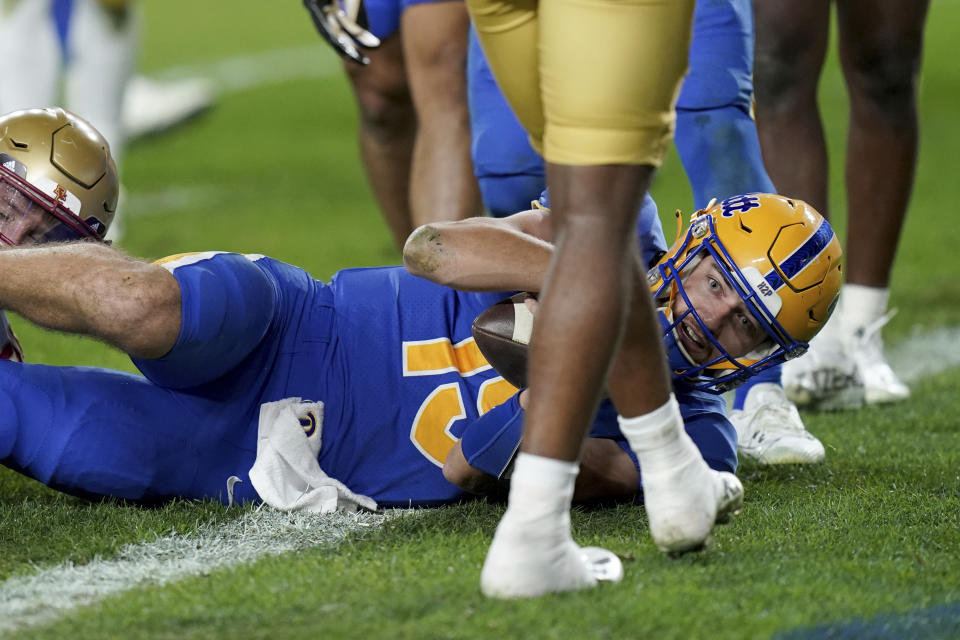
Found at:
[844, 369]
[865, 347]
[525, 564]
[153, 106]
[824, 378]
[770, 431]
[684, 503]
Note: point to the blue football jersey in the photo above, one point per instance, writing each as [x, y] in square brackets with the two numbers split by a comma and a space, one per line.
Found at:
[390, 355]
[413, 378]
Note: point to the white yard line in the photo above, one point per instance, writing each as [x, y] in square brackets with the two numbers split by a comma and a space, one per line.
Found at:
[926, 353]
[50, 593]
[239, 73]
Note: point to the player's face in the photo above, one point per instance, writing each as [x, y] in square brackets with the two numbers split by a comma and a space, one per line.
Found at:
[21, 220]
[723, 312]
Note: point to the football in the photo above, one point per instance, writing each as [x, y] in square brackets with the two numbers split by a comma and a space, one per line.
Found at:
[502, 333]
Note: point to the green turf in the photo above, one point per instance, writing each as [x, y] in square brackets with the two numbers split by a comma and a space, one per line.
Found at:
[873, 532]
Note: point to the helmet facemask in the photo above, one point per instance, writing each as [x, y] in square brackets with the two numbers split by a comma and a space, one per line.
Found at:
[723, 371]
[29, 216]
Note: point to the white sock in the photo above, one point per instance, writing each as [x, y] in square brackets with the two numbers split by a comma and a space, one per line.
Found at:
[541, 489]
[860, 305]
[658, 438]
[30, 57]
[532, 552]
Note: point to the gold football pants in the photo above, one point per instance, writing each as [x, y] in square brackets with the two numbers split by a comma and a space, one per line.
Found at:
[592, 81]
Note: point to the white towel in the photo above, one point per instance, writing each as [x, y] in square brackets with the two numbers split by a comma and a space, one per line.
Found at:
[286, 473]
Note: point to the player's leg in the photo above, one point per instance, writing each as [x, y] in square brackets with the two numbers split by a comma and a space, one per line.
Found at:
[98, 433]
[880, 51]
[718, 144]
[509, 172]
[596, 166]
[442, 185]
[387, 130]
[532, 551]
[102, 44]
[791, 44]
[716, 137]
[102, 41]
[30, 55]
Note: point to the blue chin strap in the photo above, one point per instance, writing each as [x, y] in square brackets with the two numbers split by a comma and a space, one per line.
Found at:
[724, 372]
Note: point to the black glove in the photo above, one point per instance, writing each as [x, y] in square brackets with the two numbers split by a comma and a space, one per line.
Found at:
[339, 24]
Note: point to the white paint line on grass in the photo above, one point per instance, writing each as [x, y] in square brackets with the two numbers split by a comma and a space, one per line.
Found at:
[926, 353]
[239, 73]
[50, 593]
[173, 198]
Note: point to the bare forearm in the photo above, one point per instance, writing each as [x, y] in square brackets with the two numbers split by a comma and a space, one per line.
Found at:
[482, 254]
[94, 290]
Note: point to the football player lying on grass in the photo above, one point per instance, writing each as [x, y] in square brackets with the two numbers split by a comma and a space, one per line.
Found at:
[230, 344]
[262, 383]
[249, 362]
[752, 280]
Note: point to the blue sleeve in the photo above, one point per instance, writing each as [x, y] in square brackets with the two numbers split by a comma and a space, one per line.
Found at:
[490, 442]
[227, 305]
[650, 238]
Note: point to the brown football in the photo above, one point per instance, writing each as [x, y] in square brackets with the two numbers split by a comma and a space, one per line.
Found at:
[502, 333]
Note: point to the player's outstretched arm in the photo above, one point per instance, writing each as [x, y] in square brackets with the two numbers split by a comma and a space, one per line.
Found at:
[95, 290]
[483, 254]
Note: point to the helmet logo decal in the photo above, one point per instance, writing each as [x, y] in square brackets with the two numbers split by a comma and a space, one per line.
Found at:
[803, 256]
[59, 193]
[770, 298]
[738, 203]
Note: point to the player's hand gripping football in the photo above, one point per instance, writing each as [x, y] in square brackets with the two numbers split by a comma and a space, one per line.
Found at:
[338, 21]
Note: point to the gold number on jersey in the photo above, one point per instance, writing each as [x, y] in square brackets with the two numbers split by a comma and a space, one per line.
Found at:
[431, 430]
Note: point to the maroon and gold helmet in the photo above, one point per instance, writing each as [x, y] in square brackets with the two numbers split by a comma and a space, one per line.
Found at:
[58, 180]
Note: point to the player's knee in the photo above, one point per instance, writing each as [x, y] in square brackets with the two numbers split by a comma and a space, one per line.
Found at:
[386, 117]
[887, 82]
[383, 99]
[780, 80]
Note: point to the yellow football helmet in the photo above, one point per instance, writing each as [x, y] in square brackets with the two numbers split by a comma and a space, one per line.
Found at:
[782, 258]
[58, 180]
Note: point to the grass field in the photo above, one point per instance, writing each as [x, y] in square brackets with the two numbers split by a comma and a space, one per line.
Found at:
[863, 546]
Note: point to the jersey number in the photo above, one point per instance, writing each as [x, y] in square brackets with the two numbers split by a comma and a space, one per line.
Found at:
[431, 430]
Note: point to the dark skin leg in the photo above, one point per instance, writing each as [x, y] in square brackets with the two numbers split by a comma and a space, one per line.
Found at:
[583, 306]
[880, 51]
[387, 131]
[881, 42]
[791, 43]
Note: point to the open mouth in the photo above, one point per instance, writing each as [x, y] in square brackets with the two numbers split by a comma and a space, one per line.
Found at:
[691, 338]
